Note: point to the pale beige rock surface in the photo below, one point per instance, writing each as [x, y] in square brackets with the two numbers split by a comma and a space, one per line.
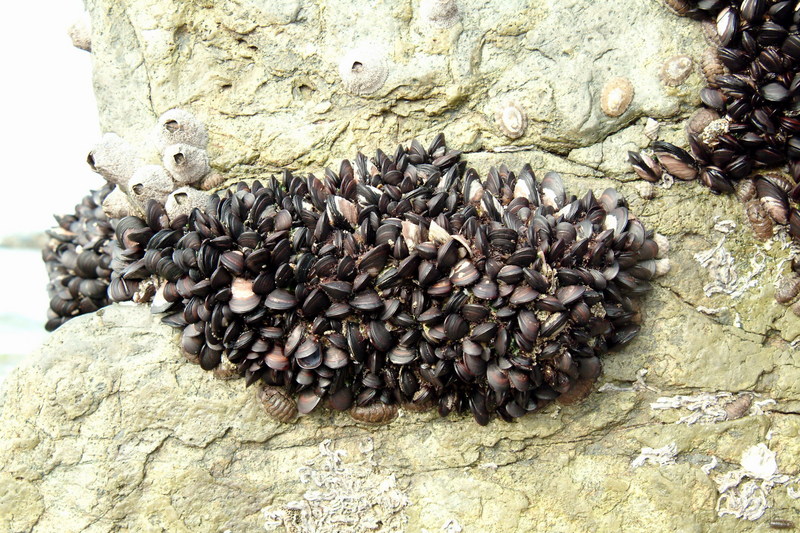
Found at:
[108, 428]
[266, 76]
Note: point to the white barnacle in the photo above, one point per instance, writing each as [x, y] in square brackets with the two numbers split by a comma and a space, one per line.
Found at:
[114, 158]
[363, 69]
[118, 205]
[186, 163]
[183, 200]
[177, 126]
[150, 182]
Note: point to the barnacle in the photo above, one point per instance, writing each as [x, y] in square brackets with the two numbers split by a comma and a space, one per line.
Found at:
[178, 126]
[114, 159]
[150, 182]
[363, 70]
[186, 163]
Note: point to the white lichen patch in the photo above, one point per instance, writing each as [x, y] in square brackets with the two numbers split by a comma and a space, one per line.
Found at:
[656, 456]
[720, 265]
[638, 385]
[744, 491]
[342, 496]
[708, 407]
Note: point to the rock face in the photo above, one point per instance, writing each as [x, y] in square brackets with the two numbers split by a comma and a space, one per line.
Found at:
[270, 80]
[694, 424]
[109, 428]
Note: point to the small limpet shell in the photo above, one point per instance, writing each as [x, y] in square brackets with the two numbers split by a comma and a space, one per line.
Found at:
[616, 96]
[675, 70]
[511, 119]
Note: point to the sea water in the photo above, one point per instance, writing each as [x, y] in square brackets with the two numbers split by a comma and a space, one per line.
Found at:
[23, 305]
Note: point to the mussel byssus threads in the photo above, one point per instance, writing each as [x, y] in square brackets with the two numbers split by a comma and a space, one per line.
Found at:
[400, 280]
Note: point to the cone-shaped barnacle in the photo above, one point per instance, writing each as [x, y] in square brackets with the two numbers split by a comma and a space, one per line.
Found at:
[363, 70]
[80, 33]
[187, 164]
[615, 96]
[117, 205]
[114, 159]
[441, 13]
[150, 182]
[177, 126]
[182, 200]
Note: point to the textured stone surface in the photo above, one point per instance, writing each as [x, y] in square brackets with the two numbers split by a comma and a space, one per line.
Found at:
[266, 78]
[109, 429]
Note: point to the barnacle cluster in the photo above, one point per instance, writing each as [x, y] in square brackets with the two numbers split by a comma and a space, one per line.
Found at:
[400, 280]
[753, 75]
[180, 139]
[77, 255]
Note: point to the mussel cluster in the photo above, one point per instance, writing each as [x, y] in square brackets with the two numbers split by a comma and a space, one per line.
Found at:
[753, 74]
[78, 261]
[400, 280]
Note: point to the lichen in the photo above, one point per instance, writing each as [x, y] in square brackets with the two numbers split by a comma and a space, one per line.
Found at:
[342, 495]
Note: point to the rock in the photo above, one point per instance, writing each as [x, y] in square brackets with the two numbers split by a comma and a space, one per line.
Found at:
[450, 66]
[109, 427]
